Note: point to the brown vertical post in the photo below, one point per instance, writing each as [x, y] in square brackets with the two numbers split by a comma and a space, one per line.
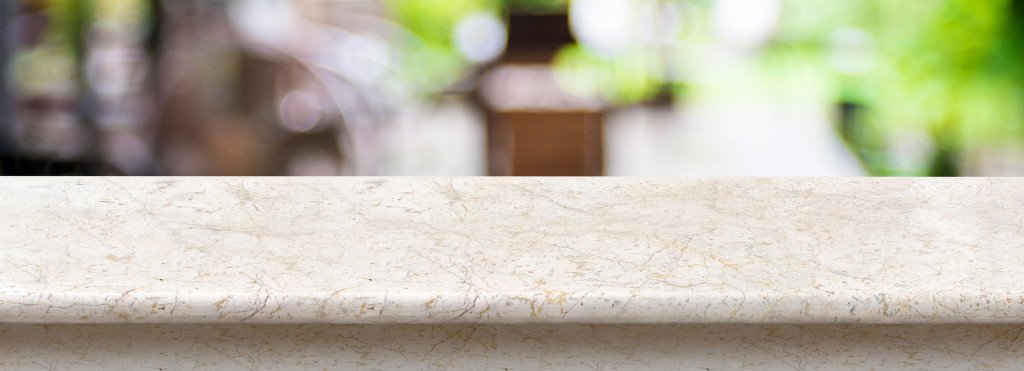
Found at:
[564, 140]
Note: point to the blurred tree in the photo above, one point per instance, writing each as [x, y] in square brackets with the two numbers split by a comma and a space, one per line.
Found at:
[431, 61]
[948, 68]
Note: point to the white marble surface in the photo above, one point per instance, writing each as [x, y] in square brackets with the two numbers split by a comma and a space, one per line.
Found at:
[498, 251]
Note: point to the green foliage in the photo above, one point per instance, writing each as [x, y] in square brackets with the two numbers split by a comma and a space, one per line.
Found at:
[70, 20]
[947, 70]
[629, 77]
[433, 20]
[538, 6]
[431, 61]
[950, 68]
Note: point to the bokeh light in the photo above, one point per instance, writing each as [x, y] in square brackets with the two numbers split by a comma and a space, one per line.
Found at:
[512, 87]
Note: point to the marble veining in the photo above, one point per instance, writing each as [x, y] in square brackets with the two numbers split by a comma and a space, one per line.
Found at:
[511, 250]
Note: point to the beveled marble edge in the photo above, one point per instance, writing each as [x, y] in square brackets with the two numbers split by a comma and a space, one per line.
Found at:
[472, 250]
[188, 307]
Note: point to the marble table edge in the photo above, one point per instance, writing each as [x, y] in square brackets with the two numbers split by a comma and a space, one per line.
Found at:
[539, 307]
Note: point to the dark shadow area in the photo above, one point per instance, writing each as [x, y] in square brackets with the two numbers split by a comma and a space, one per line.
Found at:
[513, 347]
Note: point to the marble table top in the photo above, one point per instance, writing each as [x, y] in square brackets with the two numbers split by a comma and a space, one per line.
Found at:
[511, 250]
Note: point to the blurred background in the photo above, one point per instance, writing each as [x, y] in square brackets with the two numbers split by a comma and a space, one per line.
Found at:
[512, 87]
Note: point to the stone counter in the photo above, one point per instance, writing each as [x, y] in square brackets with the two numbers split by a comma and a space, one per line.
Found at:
[504, 266]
